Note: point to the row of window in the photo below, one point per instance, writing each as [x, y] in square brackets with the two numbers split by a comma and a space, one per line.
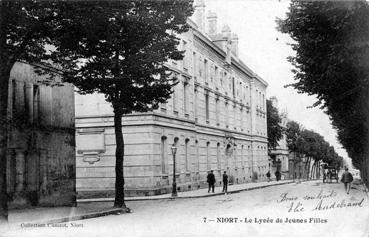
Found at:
[220, 79]
[211, 72]
[245, 110]
[229, 152]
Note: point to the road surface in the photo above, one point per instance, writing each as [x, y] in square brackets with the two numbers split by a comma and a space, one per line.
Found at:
[302, 209]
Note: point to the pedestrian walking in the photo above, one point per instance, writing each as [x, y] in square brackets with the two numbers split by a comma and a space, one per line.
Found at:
[278, 175]
[347, 179]
[225, 182]
[211, 181]
[324, 176]
[268, 176]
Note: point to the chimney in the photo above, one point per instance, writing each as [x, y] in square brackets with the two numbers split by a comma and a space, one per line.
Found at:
[227, 43]
[226, 32]
[235, 44]
[199, 14]
[212, 23]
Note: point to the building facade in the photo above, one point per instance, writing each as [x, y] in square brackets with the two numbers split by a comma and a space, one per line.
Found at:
[216, 118]
[41, 145]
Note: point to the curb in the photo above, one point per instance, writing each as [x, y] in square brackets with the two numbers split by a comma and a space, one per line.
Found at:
[88, 215]
[112, 211]
[118, 211]
[179, 197]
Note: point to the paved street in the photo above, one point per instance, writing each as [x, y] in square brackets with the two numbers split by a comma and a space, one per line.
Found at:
[305, 209]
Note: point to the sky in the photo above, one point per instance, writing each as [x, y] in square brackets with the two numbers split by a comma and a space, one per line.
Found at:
[265, 50]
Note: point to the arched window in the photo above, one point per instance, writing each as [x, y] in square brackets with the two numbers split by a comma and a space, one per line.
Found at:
[197, 156]
[175, 143]
[187, 162]
[164, 155]
[208, 155]
[219, 165]
[242, 157]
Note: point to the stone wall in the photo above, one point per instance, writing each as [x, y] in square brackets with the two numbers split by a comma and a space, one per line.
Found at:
[41, 152]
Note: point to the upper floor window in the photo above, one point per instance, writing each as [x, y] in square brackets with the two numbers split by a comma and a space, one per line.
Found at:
[216, 74]
[194, 61]
[206, 70]
[185, 59]
[207, 112]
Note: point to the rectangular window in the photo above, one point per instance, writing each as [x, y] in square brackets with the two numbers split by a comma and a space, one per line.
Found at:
[217, 110]
[232, 87]
[225, 83]
[194, 61]
[260, 103]
[234, 116]
[175, 97]
[174, 100]
[216, 76]
[207, 106]
[226, 114]
[206, 70]
[185, 100]
[195, 104]
[185, 59]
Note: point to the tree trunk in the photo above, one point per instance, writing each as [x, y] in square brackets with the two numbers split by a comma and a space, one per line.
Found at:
[308, 168]
[119, 157]
[313, 170]
[4, 85]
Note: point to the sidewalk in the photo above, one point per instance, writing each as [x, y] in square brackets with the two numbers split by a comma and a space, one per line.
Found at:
[198, 193]
[91, 208]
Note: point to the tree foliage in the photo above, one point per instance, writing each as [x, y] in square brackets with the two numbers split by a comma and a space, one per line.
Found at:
[310, 144]
[117, 48]
[25, 29]
[331, 62]
[120, 49]
[274, 128]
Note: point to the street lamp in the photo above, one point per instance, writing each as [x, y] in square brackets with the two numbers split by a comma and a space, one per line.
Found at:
[174, 187]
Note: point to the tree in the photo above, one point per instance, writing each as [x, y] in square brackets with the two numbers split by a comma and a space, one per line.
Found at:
[120, 49]
[331, 62]
[311, 145]
[293, 132]
[274, 128]
[113, 47]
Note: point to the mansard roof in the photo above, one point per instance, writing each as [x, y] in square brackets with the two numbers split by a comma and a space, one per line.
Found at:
[238, 63]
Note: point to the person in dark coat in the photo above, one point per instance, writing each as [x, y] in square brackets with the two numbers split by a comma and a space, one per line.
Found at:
[225, 182]
[347, 179]
[278, 175]
[268, 176]
[211, 181]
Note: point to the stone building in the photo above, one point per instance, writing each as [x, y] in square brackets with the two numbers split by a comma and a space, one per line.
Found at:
[41, 147]
[216, 118]
[279, 157]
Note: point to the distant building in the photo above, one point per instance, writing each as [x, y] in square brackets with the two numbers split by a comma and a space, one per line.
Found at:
[41, 147]
[279, 155]
[216, 117]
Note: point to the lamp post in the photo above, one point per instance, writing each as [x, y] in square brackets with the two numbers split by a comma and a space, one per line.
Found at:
[174, 185]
